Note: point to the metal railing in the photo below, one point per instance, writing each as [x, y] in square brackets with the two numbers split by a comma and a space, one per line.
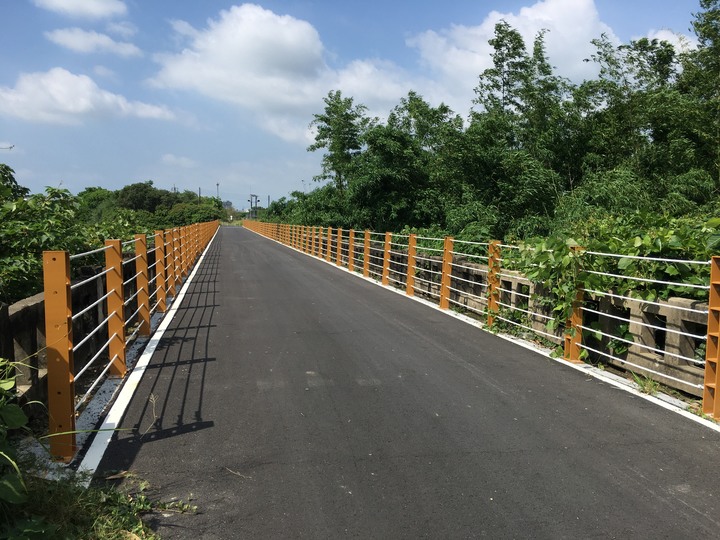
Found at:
[673, 341]
[132, 289]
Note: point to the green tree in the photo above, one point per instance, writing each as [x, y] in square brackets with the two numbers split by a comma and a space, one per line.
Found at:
[700, 80]
[338, 130]
[9, 188]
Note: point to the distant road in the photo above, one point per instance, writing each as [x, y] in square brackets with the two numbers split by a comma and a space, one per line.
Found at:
[290, 399]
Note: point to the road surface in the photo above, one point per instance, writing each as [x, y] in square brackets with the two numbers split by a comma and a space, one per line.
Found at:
[290, 399]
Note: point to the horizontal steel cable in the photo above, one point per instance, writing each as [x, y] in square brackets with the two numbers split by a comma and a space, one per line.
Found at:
[464, 293]
[92, 360]
[470, 268]
[88, 308]
[85, 254]
[94, 384]
[641, 345]
[643, 301]
[648, 280]
[646, 325]
[581, 345]
[471, 282]
[643, 258]
[94, 331]
[88, 280]
[534, 330]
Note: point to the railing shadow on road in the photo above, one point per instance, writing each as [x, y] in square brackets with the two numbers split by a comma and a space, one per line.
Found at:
[169, 400]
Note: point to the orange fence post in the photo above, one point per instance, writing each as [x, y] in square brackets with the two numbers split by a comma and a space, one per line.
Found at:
[411, 263]
[351, 250]
[170, 262]
[160, 285]
[312, 241]
[142, 283]
[493, 281]
[177, 259]
[338, 257]
[328, 245]
[385, 279]
[60, 365]
[115, 307]
[366, 254]
[711, 404]
[446, 278]
[573, 333]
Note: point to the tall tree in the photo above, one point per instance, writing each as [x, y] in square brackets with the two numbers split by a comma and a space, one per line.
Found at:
[701, 79]
[9, 188]
[338, 130]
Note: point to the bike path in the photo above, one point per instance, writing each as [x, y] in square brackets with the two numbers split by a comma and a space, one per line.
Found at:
[290, 399]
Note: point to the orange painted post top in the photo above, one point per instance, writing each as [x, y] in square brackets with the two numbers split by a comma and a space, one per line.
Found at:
[60, 362]
[366, 254]
[115, 307]
[493, 281]
[338, 253]
[351, 250]
[711, 401]
[385, 279]
[446, 279]
[160, 285]
[411, 264]
[142, 282]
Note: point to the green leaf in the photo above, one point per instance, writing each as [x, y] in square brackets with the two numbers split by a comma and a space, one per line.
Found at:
[624, 263]
[12, 489]
[12, 416]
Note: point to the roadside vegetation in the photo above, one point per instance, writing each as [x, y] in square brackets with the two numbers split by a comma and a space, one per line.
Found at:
[56, 219]
[628, 162]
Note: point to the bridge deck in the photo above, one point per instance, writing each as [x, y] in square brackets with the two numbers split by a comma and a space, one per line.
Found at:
[291, 399]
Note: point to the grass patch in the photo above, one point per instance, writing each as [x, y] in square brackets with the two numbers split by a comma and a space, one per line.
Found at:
[645, 384]
[66, 509]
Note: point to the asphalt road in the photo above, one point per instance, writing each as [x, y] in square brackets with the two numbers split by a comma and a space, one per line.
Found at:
[289, 399]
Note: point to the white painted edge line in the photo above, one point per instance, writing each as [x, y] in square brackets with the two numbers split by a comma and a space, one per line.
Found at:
[587, 369]
[104, 435]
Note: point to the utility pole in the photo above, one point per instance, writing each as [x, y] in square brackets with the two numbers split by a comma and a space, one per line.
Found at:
[253, 200]
[218, 190]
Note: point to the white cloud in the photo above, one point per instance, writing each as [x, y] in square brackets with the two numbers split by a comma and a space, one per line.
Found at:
[84, 41]
[124, 29]
[91, 9]
[273, 65]
[249, 56]
[178, 161]
[105, 72]
[456, 56]
[681, 42]
[60, 97]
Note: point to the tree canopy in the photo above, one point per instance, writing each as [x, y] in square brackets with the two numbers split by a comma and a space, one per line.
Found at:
[537, 155]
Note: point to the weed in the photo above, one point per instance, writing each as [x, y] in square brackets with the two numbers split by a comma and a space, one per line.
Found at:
[646, 384]
[33, 507]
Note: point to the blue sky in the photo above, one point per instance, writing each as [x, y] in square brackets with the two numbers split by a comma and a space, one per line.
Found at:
[191, 94]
